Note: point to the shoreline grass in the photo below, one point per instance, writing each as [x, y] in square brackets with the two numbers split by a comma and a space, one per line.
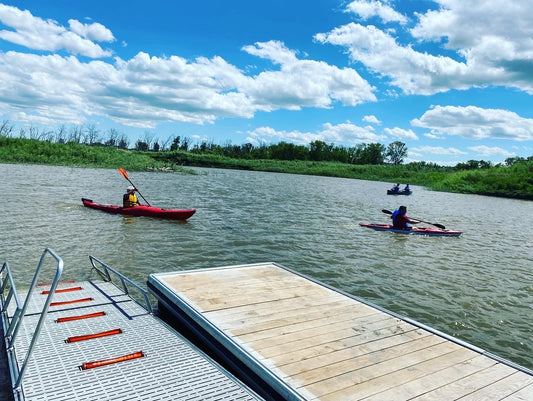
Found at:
[514, 181]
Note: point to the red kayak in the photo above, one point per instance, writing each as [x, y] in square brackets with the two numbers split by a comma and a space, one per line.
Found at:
[142, 210]
[414, 230]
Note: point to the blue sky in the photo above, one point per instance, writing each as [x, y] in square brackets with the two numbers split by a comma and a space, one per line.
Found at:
[452, 79]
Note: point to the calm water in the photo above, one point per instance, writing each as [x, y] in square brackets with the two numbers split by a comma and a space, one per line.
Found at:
[478, 287]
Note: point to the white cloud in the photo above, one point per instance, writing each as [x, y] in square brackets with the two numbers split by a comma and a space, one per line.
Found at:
[434, 135]
[94, 31]
[269, 135]
[488, 151]
[302, 83]
[146, 90]
[345, 133]
[493, 35]
[369, 8]
[437, 150]
[411, 71]
[273, 50]
[401, 133]
[349, 133]
[371, 119]
[488, 43]
[476, 123]
[38, 34]
[464, 24]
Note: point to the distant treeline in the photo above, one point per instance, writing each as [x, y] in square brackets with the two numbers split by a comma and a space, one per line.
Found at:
[376, 162]
[360, 154]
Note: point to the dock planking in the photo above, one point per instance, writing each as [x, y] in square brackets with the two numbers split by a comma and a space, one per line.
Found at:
[324, 344]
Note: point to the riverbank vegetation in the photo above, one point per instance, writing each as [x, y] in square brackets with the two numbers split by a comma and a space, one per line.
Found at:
[32, 151]
[377, 162]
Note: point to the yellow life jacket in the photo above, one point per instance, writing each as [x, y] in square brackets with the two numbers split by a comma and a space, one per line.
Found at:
[130, 200]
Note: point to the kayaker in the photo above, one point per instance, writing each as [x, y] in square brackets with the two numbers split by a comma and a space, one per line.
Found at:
[406, 189]
[396, 188]
[129, 199]
[400, 220]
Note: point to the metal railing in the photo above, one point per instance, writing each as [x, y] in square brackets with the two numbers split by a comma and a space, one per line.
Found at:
[11, 328]
[104, 271]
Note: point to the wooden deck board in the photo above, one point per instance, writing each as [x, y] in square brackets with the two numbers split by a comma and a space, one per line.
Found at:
[389, 355]
[433, 381]
[524, 394]
[310, 324]
[329, 346]
[374, 351]
[264, 313]
[302, 355]
[283, 318]
[226, 301]
[506, 388]
[265, 310]
[347, 335]
[389, 373]
[419, 367]
[460, 388]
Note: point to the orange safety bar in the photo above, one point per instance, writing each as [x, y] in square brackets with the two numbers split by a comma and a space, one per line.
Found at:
[91, 336]
[103, 362]
[63, 290]
[70, 302]
[80, 317]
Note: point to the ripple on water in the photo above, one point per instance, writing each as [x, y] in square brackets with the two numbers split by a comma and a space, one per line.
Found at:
[477, 287]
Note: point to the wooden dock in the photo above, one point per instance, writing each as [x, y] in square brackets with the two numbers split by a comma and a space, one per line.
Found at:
[308, 341]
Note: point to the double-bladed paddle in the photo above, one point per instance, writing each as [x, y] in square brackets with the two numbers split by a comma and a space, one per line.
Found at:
[124, 174]
[414, 218]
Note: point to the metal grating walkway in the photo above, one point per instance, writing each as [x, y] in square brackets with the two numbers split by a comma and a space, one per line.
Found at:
[170, 368]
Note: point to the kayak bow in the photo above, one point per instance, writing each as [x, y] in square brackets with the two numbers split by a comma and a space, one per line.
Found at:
[141, 210]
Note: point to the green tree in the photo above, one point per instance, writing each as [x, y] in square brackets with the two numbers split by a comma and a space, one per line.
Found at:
[396, 152]
[373, 153]
[142, 146]
[320, 151]
[175, 143]
[287, 151]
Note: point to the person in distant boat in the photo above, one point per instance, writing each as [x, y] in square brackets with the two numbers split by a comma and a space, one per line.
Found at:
[129, 199]
[396, 188]
[400, 220]
[406, 189]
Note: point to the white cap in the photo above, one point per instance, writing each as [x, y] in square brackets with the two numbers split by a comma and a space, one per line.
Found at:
[130, 188]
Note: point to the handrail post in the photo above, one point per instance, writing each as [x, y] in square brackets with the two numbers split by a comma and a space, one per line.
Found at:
[104, 270]
[6, 301]
[37, 331]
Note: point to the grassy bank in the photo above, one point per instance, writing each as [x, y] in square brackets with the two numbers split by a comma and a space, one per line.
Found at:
[31, 151]
[515, 181]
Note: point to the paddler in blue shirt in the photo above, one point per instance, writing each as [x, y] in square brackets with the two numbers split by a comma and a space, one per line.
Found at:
[400, 220]
[129, 199]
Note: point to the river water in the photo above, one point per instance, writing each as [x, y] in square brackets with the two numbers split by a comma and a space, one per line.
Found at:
[478, 287]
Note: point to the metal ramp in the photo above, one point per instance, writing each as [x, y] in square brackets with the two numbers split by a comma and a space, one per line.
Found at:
[94, 342]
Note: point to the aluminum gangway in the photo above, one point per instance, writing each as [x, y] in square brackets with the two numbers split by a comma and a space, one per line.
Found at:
[92, 340]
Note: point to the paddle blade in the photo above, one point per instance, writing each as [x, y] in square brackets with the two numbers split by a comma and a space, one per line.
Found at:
[386, 211]
[123, 173]
[439, 226]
